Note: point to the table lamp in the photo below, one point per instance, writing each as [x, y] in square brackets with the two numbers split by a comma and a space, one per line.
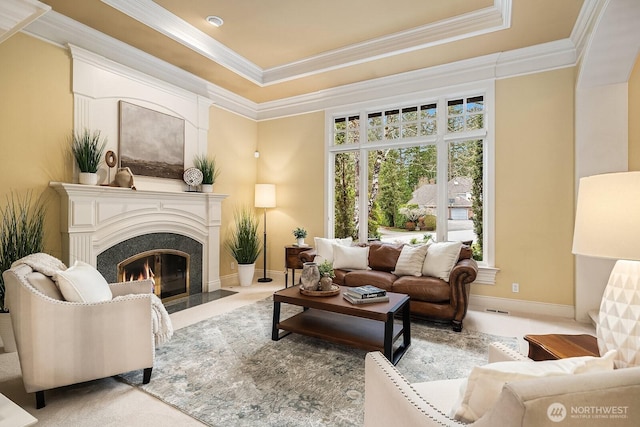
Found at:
[265, 197]
[607, 225]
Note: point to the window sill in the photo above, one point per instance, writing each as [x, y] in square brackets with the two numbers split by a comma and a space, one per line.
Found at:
[486, 275]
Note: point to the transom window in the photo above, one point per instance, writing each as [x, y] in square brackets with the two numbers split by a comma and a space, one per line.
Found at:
[412, 172]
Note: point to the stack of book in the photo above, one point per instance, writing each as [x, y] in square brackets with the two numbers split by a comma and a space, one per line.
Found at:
[365, 294]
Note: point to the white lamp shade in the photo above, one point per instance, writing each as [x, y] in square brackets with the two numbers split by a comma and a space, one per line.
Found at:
[608, 216]
[265, 196]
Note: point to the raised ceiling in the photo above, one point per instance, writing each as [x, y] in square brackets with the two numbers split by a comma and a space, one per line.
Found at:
[272, 49]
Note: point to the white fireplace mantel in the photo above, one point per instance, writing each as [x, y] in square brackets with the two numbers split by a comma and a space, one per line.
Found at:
[95, 218]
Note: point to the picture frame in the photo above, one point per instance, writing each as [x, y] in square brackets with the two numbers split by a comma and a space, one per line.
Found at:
[151, 143]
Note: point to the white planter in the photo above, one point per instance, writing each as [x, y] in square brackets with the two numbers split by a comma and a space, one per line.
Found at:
[206, 188]
[245, 273]
[300, 241]
[6, 333]
[88, 178]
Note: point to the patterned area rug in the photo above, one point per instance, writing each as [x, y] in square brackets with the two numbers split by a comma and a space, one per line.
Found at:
[226, 371]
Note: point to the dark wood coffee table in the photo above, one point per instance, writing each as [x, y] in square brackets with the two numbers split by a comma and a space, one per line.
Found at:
[559, 346]
[369, 327]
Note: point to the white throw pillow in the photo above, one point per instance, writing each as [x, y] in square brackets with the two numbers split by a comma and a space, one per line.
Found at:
[485, 383]
[350, 257]
[82, 283]
[441, 258]
[411, 260]
[324, 248]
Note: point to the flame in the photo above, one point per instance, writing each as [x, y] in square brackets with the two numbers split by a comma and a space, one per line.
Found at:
[146, 273]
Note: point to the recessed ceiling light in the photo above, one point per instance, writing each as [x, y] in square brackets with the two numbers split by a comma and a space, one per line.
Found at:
[216, 21]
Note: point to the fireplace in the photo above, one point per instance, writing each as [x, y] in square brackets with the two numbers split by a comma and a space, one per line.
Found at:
[104, 226]
[169, 270]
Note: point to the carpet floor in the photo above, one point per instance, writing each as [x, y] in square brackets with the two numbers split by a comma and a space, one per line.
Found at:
[226, 370]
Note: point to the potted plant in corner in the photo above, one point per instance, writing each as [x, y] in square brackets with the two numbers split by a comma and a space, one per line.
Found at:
[87, 149]
[207, 165]
[244, 245]
[300, 234]
[21, 234]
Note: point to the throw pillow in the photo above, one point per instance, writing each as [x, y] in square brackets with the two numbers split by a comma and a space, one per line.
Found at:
[441, 258]
[324, 248]
[485, 383]
[82, 283]
[351, 257]
[411, 260]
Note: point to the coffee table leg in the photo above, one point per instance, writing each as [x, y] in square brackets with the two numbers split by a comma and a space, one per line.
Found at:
[276, 319]
[406, 325]
[388, 337]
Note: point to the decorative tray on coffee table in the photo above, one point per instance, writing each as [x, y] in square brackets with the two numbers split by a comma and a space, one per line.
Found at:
[335, 290]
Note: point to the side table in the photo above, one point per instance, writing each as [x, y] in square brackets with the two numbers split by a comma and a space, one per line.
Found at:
[558, 346]
[293, 262]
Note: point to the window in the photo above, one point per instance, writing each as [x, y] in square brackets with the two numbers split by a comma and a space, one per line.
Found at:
[434, 156]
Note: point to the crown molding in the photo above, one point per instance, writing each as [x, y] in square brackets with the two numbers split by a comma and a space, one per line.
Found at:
[56, 28]
[494, 18]
[17, 14]
[534, 59]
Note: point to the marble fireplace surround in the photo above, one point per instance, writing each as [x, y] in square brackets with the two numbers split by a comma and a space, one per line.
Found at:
[96, 218]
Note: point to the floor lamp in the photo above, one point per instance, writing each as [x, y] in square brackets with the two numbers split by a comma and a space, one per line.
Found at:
[265, 197]
[607, 226]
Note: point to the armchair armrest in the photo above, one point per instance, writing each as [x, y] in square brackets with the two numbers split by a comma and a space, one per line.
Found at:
[499, 352]
[128, 288]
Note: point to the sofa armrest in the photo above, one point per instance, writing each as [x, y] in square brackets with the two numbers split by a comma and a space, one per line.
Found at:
[134, 287]
[389, 400]
[599, 398]
[307, 256]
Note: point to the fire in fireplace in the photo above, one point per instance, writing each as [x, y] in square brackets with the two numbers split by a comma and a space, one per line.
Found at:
[169, 269]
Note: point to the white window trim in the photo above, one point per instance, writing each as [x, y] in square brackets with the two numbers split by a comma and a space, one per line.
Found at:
[487, 270]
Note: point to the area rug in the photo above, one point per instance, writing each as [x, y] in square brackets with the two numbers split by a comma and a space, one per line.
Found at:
[226, 371]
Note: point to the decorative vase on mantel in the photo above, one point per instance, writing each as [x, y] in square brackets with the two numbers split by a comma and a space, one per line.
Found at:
[310, 276]
[88, 178]
[206, 188]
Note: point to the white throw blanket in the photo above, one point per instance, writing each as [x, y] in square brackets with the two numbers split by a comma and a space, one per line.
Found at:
[162, 327]
[42, 263]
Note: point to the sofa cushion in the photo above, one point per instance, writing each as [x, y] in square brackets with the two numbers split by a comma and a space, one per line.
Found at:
[350, 257]
[44, 284]
[379, 279]
[324, 248]
[384, 256]
[82, 283]
[485, 382]
[423, 288]
[441, 258]
[411, 260]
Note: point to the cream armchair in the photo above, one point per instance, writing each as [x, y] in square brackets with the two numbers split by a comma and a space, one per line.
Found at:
[61, 343]
[575, 400]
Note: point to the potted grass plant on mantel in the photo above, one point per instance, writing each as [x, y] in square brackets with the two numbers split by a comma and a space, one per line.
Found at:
[88, 148]
[210, 172]
[21, 234]
[244, 245]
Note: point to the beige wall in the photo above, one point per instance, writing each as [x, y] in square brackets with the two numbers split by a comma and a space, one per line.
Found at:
[292, 157]
[634, 117]
[232, 140]
[534, 187]
[36, 118]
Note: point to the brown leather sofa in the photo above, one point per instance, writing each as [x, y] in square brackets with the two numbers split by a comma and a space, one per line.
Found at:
[431, 298]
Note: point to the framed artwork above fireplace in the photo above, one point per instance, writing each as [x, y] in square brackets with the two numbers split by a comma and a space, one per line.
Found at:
[151, 143]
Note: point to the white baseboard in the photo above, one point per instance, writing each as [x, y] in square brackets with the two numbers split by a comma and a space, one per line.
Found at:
[512, 306]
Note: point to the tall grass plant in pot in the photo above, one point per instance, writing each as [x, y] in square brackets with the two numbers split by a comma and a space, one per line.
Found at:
[21, 234]
[87, 148]
[244, 244]
[209, 169]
